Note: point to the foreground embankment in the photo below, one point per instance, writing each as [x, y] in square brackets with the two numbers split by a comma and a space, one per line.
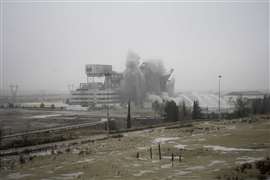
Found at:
[229, 149]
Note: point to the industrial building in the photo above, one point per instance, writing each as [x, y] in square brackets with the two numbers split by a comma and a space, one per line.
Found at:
[102, 87]
[107, 87]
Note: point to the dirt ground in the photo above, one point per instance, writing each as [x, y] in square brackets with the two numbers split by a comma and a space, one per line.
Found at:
[208, 150]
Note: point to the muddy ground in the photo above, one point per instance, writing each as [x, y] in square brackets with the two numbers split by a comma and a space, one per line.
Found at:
[208, 150]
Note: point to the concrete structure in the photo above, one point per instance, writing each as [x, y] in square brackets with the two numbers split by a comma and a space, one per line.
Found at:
[102, 87]
[107, 87]
[232, 96]
[245, 94]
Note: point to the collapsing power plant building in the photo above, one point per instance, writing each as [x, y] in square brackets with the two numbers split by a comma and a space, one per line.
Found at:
[139, 80]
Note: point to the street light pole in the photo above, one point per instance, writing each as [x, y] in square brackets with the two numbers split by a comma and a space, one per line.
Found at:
[219, 80]
[107, 75]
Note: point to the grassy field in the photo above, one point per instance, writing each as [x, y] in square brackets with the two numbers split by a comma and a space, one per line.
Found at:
[21, 120]
[209, 150]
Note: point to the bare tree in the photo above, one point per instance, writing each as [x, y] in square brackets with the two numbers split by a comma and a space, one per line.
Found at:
[196, 112]
[241, 107]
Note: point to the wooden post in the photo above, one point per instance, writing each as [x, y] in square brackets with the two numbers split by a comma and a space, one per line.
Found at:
[172, 159]
[159, 151]
[106, 126]
[180, 158]
[137, 155]
[151, 152]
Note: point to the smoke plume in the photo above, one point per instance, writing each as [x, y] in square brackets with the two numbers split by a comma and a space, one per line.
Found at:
[143, 79]
[133, 86]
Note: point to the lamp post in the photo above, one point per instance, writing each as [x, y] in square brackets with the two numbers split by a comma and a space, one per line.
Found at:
[108, 75]
[219, 80]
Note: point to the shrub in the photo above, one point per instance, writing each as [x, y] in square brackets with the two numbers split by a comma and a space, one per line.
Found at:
[242, 108]
[52, 106]
[171, 111]
[42, 105]
[196, 112]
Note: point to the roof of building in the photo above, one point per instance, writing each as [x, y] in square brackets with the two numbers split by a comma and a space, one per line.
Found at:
[245, 93]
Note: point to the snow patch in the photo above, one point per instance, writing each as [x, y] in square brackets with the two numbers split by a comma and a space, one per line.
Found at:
[141, 148]
[84, 161]
[165, 166]
[223, 148]
[162, 140]
[72, 175]
[180, 146]
[44, 116]
[143, 172]
[76, 108]
[181, 173]
[196, 168]
[18, 175]
[246, 159]
[216, 162]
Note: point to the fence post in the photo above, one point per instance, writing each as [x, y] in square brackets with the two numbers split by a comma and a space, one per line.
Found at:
[159, 151]
[172, 159]
[151, 152]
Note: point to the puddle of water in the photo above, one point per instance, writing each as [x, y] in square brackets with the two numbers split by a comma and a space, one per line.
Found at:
[162, 140]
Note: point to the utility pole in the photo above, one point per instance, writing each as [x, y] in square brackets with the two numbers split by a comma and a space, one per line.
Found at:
[107, 75]
[128, 116]
[219, 81]
[13, 90]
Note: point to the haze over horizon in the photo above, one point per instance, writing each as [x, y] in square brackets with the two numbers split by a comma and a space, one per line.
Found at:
[46, 45]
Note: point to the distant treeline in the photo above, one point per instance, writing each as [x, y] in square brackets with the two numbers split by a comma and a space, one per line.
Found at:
[242, 107]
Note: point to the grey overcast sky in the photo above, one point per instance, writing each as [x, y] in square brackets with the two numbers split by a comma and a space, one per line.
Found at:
[47, 44]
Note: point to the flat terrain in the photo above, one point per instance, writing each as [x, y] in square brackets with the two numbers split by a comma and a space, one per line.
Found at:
[208, 150]
[22, 120]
